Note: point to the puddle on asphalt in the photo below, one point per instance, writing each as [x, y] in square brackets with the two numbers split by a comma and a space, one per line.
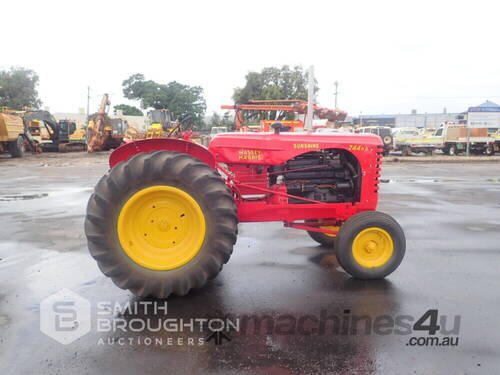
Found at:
[7, 198]
[54, 193]
[4, 320]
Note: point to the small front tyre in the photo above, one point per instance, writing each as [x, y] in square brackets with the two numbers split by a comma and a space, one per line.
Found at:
[370, 245]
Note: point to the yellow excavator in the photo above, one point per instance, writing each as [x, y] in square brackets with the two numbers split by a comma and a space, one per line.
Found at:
[51, 135]
[105, 133]
[159, 122]
[38, 131]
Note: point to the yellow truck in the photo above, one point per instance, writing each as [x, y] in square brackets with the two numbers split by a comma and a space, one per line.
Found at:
[451, 139]
[11, 134]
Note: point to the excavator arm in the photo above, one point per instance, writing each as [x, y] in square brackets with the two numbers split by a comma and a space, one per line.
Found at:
[47, 118]
[295, 106]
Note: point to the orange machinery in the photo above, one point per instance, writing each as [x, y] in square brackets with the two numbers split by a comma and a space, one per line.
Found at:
[284, 106]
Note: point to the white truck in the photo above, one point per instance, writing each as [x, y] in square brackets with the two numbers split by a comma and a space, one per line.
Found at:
[217, 130]
[450, 138]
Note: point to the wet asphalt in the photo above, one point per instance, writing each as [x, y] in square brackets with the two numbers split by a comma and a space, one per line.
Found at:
[451, 217]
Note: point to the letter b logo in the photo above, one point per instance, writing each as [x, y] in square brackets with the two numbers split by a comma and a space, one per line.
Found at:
[65, 316]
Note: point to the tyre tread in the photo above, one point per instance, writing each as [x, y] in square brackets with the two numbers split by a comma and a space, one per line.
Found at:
[152, 168]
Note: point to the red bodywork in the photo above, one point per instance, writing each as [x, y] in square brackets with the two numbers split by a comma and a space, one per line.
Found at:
[243, 160]
[129, 149]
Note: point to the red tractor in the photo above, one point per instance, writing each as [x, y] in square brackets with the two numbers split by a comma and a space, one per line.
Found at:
[165, 217]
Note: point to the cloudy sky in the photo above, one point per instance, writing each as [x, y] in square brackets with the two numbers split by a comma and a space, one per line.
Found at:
[389, 56]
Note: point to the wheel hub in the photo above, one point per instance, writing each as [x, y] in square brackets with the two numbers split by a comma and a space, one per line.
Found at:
[161, 227]
[372, 247]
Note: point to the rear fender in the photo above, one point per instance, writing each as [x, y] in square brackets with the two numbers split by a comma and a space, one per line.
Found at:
[130, 149]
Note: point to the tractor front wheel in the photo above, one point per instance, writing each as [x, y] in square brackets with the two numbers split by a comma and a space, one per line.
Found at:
[161, 223]
[370, 245]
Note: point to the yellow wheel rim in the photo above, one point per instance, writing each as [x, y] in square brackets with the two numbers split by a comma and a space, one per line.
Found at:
[329, 227]
[161, 227]
[372, 247]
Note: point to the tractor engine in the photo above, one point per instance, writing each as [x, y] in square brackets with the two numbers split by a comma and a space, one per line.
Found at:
[329, 176]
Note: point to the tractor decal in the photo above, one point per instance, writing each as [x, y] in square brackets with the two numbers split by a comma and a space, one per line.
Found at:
[250, 154]
[306, 145]
[358, 148]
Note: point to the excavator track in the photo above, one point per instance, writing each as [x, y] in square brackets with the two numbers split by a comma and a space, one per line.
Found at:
[72, 147]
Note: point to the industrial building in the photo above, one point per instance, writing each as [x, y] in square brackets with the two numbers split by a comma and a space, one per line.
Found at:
[414, 119]
[80, 118]
[486, 114]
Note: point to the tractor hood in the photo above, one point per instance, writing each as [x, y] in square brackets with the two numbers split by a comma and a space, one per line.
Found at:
[273, 149]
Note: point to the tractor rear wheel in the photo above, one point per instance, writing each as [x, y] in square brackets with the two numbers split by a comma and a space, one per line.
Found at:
[161, 223]
[370, 245]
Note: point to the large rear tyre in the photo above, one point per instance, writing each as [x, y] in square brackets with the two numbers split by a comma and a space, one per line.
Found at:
[161, 223]
[17, 147]
[370, 245]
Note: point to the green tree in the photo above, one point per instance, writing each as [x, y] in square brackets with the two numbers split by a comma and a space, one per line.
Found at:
[181, 100]
[227, 120]
[274, 83]
[18, 88]
[216, 120]
[128, 110]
